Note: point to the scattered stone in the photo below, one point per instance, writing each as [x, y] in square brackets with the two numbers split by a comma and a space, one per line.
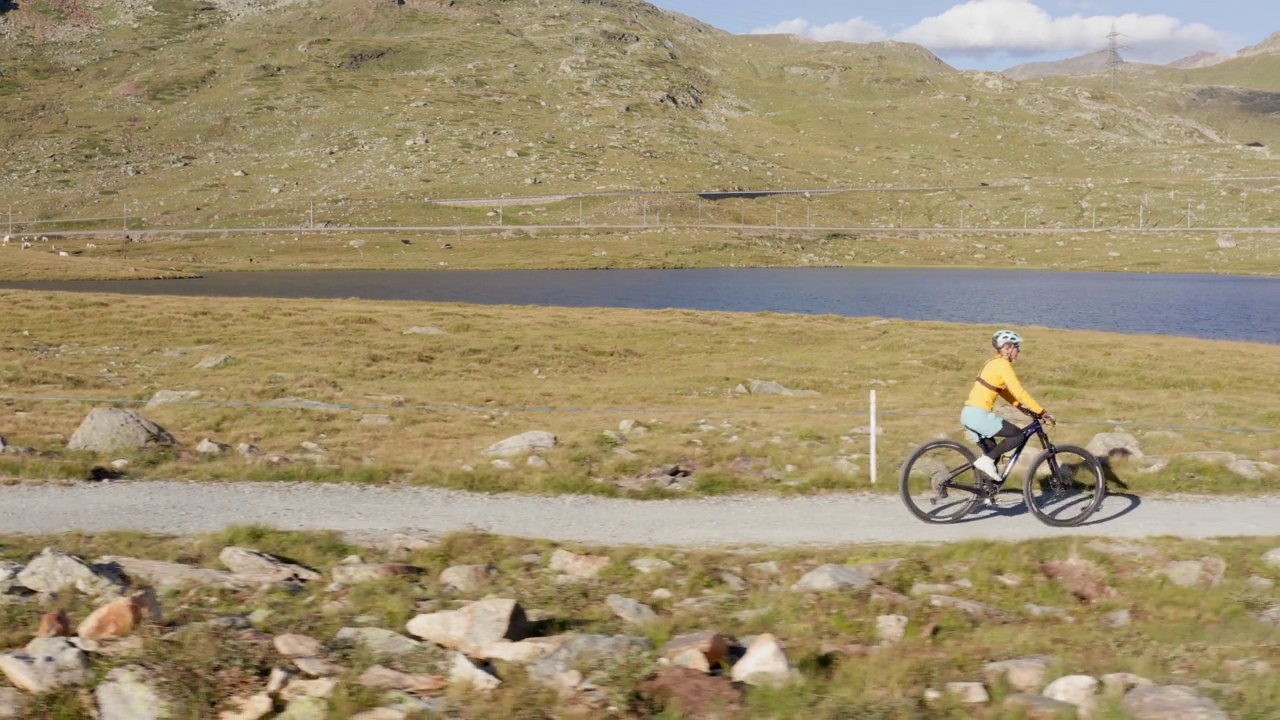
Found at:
[355, 573]
[843, 577]
[522, 653]
[172, 576]
[1207, 572]
[248, 450]
[53, 571]
[558, 669]
[129, 693]
[1114, 445]
[465, 578]
[263, 568]
[769, 387]
[316, 688]
[213, 362]
[54, 624]
[1038, 707]
[1025, 675]
[1257, 582]
[972, 608]
[650, 565]
[891, 629]
[534, 441]
[464, 671]
[375, 420]
[932, 589]
[765, 663]
[474, 625]
[45, 664]
[711, 646]
[111, 429]
[170, 397]
[387, 679]
[379, 642]
[317, 666]
[578, 566]
[293, 645]
[1117, 684]
[632, 611]
[211, 447]
[1080, 577]
[1116, 619]
[1043, 611]
[1078, 690]
[1166, 702]
[116, 619]
[969, 693]
[424, 330]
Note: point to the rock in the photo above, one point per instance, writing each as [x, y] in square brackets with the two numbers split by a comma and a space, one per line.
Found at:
[630, 610]
[173, 576]
[1170, 702]
[474, 625]
[1025, 675]
[211, 447]
[379, 642]
[355, 573]
[317, 666]
[170, 397]
[375, 420]
[891, 629]
[534, 441]
[972, 608]
[113, 620]
[1250, 666]
[713, 646]
[465, 672]
[465, 578]
[969, 693]
[1117, 684]
[1116, 619]
[424, 330]
[577, 566]
[54, 624]
[521, 653]
[1114, 445]
[317, 688]
[263, 568]
[843, 577]
[1078, 690]
[253, 707]
[1257, 582]
[1272, 557]
[129, 693]
[387, 679]
[293, 645]
[305, 708]
[1038, 707]
[765, 663]
[247, 450]
[1247, 469]
[213, 362]
[111, 429]
[694, 694]
[53, 571]
[45, 664]
[10, 704]
[932, 588]
[1080, 577]
[1207, 571]
[558, 668]
[769, 387]
[650, 565]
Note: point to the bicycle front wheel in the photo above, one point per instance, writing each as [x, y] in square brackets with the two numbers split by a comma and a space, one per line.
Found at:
[1065, 486]
[928, 482]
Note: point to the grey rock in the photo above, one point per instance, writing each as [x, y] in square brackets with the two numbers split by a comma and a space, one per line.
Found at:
[650, 565]
[1116, 619]
[891, 629]
[305, 708]
[1114, 444]
[211, 447]
[465, 578]
[585, 650]
[844, 577]
[1247, 469]
[129, 693]
[632, 611]
[1257, 582]
[769, 387]
[972, 608]
[534, 441]
[213, 362]
[170, 397]
[1026, 675]
[1038, 707]
[474, 625]
[1170, 702]
[1078, 690]
[424, 330]
[1207, 571]
[172, 576]
[378, 641]
[111, 429]
[45, 664]
[10, 704]
[263, 568]
[969, 693]
[53, 571]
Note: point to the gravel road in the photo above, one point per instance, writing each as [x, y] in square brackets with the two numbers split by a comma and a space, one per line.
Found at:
[182, 508]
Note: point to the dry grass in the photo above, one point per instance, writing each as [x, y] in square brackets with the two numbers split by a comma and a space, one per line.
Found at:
[498, 371]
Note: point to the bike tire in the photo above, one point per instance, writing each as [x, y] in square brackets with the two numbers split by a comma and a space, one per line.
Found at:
[1065, 486]
[916, 483]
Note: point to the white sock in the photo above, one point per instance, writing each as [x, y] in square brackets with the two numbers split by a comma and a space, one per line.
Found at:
[987, 466]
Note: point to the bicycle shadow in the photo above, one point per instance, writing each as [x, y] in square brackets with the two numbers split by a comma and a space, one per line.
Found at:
[1011, 502]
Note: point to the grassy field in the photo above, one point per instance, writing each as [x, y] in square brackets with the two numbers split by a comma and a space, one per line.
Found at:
[392, 407]
[1183, 635]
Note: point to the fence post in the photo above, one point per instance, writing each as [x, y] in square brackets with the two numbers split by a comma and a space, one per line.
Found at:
[873, 437]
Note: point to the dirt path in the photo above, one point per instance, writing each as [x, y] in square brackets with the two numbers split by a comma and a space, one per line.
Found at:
[180, 508]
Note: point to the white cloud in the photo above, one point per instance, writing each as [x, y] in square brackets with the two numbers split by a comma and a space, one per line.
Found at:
[979, 28]
[855, 30]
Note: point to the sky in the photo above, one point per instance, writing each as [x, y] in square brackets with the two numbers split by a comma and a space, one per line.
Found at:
[997, 34]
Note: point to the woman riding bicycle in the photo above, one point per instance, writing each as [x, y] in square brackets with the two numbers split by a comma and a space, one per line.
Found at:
[998, 379]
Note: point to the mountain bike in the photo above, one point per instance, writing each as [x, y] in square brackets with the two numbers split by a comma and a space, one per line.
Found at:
[1063, 487]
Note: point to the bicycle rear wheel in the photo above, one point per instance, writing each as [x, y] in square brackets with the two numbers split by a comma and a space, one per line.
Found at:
[928, 482]
[1065, 486]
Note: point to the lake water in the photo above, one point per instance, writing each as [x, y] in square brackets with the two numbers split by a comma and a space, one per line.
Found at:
[1204, 306]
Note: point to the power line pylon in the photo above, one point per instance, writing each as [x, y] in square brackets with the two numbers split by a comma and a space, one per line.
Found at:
[1114, 61]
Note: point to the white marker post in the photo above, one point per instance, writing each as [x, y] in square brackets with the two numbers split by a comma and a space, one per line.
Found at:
[873, 437]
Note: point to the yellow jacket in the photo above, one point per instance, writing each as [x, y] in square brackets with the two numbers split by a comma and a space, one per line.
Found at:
[997, 378]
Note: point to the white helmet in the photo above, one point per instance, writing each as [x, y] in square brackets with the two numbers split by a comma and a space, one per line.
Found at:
[1006, 337]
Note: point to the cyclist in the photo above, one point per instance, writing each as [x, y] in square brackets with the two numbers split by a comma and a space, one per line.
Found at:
[998, 379]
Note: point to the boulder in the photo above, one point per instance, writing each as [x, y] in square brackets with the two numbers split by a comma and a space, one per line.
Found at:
[53, 571]
[1077, 690]
[129, 693]
[534, 441]
[377, 641]
[465, 672]
[474, 625]
[213, 362]
[1170, 702]
[317, 666]
[713, 646]
[1248, 469]
[1114, 444]
[112, 429]
[578, 566]
[632, 611]
[972, 608]
[521, 653]
[263, 568]
[116, 619]
[211, 447]
[765, 663]
[165, 576]
[1117, 684]
[45, 664]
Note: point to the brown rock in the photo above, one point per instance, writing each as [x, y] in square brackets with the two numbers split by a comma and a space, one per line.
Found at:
[712, 645]
[1080, 577]
[578, 566]
[113, 620]
[384, 678]
[54, 624]
[694, 694]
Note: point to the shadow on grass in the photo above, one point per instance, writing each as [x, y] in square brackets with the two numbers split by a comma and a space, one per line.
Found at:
[7, 5]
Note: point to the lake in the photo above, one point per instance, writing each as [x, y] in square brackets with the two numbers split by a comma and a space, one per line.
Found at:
[1204, 306]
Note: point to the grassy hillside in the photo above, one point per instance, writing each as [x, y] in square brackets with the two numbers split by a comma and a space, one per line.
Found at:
[178, 113]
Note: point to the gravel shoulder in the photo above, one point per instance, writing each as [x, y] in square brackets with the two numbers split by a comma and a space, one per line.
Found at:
[183, 508]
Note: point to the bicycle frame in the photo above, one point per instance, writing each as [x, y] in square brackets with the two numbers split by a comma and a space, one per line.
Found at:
[1035, 429]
